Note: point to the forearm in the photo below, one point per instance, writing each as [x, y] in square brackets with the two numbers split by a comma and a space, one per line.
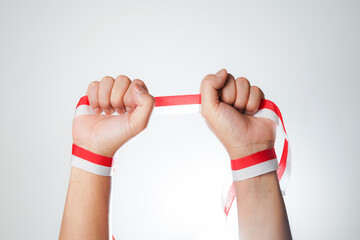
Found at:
[97, 137]
[86, 213]
[261, 209]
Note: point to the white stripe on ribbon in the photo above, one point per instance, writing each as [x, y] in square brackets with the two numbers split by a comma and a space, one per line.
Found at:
[83, 110]
[285, 177]
[184, 104]
[177, 109]
[255, 170]
[91, 167]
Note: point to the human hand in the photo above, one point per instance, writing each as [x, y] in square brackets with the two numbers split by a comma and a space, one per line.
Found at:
[228, 106]
[104, 134]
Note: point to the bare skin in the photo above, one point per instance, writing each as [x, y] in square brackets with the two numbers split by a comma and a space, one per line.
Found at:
[86, 213]
[227, 106]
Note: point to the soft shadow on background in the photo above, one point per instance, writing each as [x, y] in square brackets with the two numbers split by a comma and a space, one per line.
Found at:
[167, 184]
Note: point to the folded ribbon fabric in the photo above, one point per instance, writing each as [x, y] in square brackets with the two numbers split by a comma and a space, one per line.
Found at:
[91, 162]
[84, 159]
[262, 162]
[253, 165]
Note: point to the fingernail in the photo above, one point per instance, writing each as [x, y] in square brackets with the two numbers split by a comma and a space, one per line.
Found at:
[249, 113]
[109, 111]
[120, 110]
[97, 110]
[220, 73]
[139, 89]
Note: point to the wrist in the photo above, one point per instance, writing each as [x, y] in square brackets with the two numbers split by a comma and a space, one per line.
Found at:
[254, 165]
[103, 151]
[236, 152]
[91, 162]
[255, 183]
[80, 176]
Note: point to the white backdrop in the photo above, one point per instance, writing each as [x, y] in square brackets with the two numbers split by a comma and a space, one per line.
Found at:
[303, 54]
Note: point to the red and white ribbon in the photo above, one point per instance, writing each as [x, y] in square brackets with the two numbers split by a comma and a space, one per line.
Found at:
[84, 159]
[183, 104]
[267, 109]
[254, 165]
[247, 167]
[91, 162]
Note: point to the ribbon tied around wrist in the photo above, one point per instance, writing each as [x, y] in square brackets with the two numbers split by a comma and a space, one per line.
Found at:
[243, 168]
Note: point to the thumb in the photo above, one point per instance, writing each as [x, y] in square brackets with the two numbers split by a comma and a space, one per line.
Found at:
[139, 118]
[209, 90]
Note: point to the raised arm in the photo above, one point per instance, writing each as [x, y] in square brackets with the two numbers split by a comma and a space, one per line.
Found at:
[228, 106]
[86, 213]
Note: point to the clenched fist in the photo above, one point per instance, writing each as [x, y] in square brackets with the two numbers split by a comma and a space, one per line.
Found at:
[104, 134]
[227, 104]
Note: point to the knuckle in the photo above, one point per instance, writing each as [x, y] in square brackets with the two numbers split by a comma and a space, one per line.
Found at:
[207, 80]
[256, 90]
[230, 76]
[141, 83]
[94, 84]
[210, 77]
[242, 80]
[107, 79]
[138, 81]
[122, 78]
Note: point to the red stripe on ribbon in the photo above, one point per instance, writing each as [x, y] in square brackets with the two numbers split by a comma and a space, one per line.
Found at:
[253, 159]
[177, 100]
[83, 101]
[235, 164]
[91, 157]
[283, 161]
[229, 199]
[161, 101]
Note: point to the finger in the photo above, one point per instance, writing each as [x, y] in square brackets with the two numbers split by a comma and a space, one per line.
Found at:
[228, 92]
[93, 96]
[242, 94]
[209, 90]
[256, 95]
[140, 103]
[105, 88]
[119, 89]
[129, 97]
